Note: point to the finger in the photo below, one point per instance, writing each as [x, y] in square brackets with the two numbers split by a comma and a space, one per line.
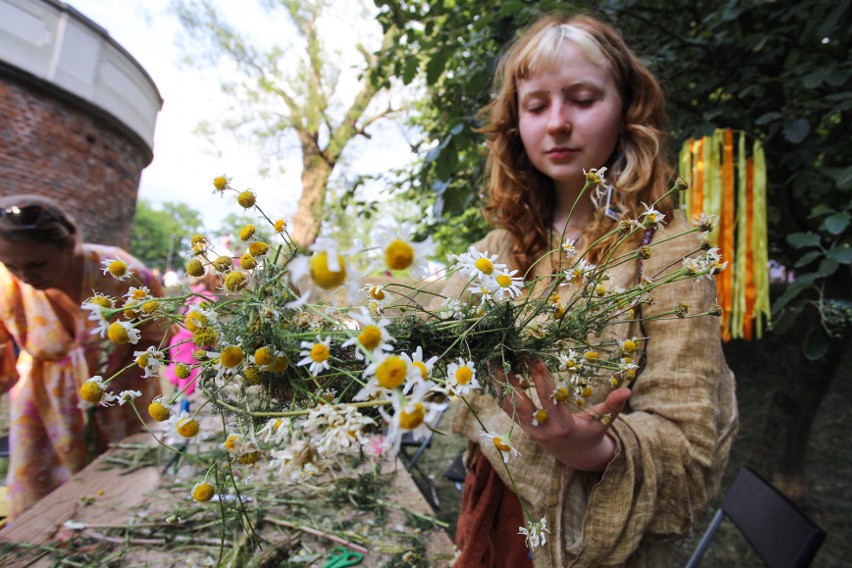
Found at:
[517, 403]
[614, 405]
[543, 383]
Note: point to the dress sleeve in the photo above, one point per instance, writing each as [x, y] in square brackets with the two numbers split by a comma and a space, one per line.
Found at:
[674, 439]
[8, 370]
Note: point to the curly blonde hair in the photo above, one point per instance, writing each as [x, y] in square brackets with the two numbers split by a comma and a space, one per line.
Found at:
[520, 199]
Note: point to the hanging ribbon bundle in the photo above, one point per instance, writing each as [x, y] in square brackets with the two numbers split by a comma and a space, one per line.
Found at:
[728, 180]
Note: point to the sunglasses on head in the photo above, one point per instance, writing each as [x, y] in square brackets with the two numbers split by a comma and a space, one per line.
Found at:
[26, 217]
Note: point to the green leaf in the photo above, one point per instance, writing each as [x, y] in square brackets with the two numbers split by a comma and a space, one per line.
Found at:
[842, 254]
[803, 240]
[807, 258]
[794, 289]
[816, 344]
[827, 267]
[837, 223]
[795, 131]
[844, 178]
[436, 64]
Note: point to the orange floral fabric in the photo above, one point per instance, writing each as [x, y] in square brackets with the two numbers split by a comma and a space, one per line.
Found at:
[51, 437]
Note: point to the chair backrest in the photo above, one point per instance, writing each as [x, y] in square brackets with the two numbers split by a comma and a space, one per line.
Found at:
[779, 532]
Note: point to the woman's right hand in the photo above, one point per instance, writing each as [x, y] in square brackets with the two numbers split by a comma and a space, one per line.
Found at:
[578, 440]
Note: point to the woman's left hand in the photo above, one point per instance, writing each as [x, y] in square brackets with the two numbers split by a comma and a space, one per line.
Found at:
[578, 440]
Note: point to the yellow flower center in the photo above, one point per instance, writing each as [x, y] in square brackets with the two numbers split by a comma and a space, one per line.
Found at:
[391, 372]
[320, 352]
[424, 371]
[279, 364]
[231, 442]
[231, 356]
[501, 445]
[195, 320]
[561, 394]
[258, 248]
[182, 371]
[541, 416]
[591, 355]
[484, 265]
[247, 232]
[324, 277]
[150, 306]
[263, 356]
[463, 375]
[370, 337]
[118, 334]
[246, 199]
[203, 492]
[142, 360]
[117, 268]
[195, 268]
[158, 411]
[413, 419]
[91, 392]
[399, 255]
[377, 293]
[249, 458]
[280, 225]
[220, 182]
[101, 301]
[504, 280]
[204, 337]
[252, 375]
[235, 281]
[223, 263]
[586, 392]
[187, 427]
[629, 346]
[247, 261]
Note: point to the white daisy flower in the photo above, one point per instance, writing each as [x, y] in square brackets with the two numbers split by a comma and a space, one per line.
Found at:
[117, 268]
[400, 252]
[374, 338]
[653, 217]
[503, 445]
[128, 396]
[150, 360]
[316, 354]
[95, 306]
[478, 264]
[410, 414]
[461, 377]
[535, 533]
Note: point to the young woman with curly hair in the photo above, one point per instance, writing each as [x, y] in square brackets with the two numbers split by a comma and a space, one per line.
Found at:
[570, 96]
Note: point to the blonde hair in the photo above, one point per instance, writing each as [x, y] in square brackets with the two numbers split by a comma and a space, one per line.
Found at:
[520, 198]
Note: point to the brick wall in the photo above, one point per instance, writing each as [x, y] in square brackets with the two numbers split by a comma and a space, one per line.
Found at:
[52, 144]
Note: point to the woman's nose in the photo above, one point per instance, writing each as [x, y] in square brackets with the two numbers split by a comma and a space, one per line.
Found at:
[558, 121]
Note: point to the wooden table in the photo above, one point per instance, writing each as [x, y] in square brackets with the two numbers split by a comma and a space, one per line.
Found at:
[106, 499]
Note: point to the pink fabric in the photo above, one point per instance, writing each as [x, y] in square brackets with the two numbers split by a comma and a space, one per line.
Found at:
[51, 438]
[181, 346]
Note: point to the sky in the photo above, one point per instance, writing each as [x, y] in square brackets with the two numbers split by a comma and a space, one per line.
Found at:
[183, 165]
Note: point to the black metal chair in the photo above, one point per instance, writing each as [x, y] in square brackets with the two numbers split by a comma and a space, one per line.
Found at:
[780, 534]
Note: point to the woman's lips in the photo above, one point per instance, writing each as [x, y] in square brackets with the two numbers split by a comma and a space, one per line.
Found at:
[560, 153]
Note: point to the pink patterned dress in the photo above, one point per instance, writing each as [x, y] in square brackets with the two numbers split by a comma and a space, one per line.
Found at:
[51, 438]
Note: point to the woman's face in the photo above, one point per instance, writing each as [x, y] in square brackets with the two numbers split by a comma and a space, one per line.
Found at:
[569, 117]
[41, 265]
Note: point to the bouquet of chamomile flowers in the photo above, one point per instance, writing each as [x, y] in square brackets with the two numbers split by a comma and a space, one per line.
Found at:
[306, 362]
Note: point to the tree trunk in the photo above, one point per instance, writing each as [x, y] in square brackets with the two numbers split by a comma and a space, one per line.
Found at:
[793, 409]
[315, 173]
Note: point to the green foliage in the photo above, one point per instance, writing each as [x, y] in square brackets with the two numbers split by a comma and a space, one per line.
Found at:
[160, 236]
[778, 70]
